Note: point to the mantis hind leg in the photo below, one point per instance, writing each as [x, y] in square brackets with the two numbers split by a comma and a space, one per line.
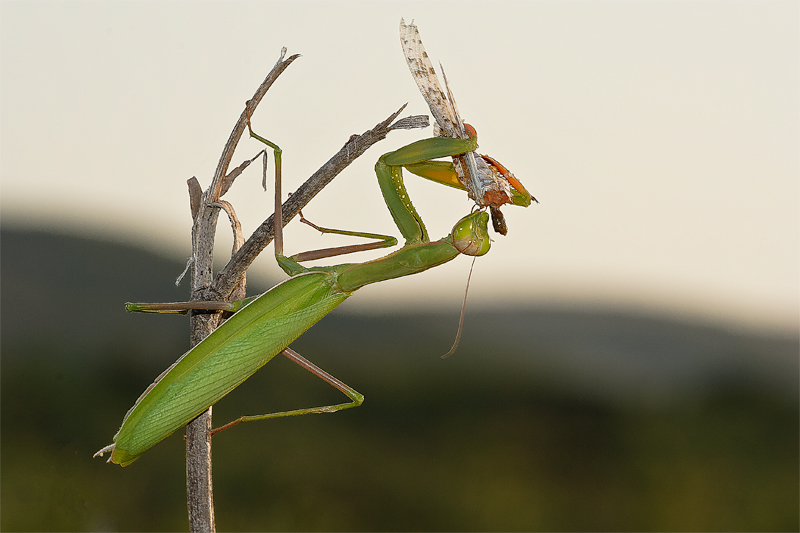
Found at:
[381, 241]
[291, 265]
[356, 398]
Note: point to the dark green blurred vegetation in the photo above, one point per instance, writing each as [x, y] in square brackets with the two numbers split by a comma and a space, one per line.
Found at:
[543, 420]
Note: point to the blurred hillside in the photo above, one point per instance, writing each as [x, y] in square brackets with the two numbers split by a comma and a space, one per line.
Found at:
[545, 419]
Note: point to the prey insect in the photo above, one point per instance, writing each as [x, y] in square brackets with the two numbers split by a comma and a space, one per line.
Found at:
[487, 182]
[264, 326]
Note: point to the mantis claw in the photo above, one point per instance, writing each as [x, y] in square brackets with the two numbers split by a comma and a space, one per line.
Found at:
[100, 452]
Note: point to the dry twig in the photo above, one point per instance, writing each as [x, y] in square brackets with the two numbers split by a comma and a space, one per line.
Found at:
[229, 283]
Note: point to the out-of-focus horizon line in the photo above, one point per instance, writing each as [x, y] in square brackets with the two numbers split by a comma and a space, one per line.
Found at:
[670, 302]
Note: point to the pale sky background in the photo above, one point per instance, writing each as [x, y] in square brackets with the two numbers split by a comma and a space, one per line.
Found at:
[661, 137]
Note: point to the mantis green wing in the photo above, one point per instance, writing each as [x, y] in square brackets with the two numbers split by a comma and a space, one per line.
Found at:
[223, 360]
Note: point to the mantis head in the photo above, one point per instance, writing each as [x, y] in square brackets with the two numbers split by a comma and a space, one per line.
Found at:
[470, 234]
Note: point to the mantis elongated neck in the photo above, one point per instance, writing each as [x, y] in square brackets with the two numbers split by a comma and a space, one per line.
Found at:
[410, 259]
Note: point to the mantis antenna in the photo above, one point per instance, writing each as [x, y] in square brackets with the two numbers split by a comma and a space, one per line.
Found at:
[463, 311]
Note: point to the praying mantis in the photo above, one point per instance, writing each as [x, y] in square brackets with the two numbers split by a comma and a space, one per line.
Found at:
[264, 326]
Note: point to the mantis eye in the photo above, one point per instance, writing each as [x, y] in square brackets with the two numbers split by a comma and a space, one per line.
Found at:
[470, 234]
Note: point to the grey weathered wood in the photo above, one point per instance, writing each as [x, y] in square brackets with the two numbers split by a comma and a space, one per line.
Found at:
[200, 498]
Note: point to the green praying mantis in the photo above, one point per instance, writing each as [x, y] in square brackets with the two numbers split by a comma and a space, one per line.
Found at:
[264, 326]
